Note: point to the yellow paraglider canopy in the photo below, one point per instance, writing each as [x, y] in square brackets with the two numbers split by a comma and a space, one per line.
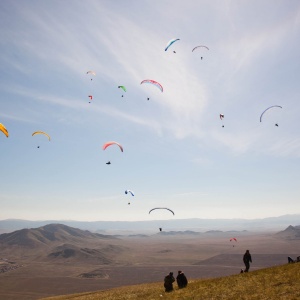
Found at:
[4, 130]
[41, 132]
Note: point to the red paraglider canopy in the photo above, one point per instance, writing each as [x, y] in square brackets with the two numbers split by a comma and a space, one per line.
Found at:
[112, 143]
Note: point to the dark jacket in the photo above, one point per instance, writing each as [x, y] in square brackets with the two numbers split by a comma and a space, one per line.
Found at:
[247, 257]
[168, 282]
[181, 280]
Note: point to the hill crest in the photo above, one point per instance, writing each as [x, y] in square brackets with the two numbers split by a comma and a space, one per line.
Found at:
[291, 232]
[46, 235]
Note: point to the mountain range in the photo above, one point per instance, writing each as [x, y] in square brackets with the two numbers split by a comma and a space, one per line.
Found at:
[195, 224]
[58, 242]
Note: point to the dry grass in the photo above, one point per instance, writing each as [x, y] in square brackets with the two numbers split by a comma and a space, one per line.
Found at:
[280, 282]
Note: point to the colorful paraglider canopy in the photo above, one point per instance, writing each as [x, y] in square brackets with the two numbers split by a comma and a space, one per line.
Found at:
[129, 191]
[42, 132]
[4, 130]
[233, 239]
[154, 83]
[162, 208]
[273, 106]
[107, 144]
[221, 116]
[122, 87]
[170, 43]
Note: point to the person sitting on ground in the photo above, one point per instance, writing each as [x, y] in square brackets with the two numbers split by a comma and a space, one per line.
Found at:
[181, 280]
[168, 282]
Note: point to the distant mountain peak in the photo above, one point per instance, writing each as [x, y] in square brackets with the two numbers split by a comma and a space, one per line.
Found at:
[291, 232]
[46, 235]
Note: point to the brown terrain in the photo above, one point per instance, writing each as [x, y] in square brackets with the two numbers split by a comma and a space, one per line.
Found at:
[57, 259]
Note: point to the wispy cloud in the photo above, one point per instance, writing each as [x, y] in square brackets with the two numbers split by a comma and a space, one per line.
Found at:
[16, 117]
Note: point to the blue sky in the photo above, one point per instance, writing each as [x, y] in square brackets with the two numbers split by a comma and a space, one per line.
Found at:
[176, 152]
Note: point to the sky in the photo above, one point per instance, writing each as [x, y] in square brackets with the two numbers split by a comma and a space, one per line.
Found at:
[177, 154]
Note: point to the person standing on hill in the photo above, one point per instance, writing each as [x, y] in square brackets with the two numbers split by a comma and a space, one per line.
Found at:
[181, 280]
[247, 259]
[168, 282]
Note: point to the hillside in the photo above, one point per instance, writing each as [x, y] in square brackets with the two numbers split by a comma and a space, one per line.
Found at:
[280, 282]
[57, 242]
[291, 233]
[46, 235]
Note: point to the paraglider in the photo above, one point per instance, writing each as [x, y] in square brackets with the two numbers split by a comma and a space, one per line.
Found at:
[123, 88]
[170, 43]
[273, 106]
[221, 118]
[91, 97]
[160, 228]
[4, 130]
[155, 83]
[91, 73]
[41, 132]
[198, 47]
[107, 144]
[233, 239]
[131, 192]
[108, 163]
[162, 208]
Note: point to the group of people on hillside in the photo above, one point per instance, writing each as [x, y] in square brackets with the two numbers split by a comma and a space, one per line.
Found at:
[290, 260]
[180, 279]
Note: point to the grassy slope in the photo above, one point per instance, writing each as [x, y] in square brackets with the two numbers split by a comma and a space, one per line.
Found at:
[281, 282]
